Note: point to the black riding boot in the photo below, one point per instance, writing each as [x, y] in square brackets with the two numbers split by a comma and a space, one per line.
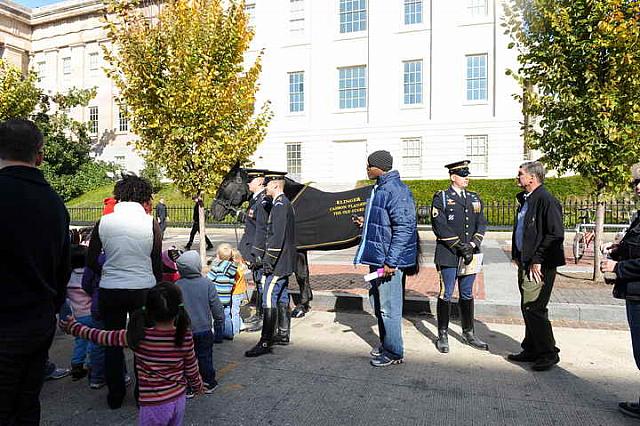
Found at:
[255, 320]
[284, 325]
[466, 318]
[266, 340]
[442, 311]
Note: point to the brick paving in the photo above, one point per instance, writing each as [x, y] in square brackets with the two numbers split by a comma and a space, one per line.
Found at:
[348, 279]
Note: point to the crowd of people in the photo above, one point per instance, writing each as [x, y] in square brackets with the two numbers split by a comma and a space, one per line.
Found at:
[117, 288]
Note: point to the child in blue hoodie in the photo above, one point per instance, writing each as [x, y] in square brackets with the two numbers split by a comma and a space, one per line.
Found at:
[202, 304]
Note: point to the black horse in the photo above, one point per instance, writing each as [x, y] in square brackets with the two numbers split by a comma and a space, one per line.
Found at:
[323, 219]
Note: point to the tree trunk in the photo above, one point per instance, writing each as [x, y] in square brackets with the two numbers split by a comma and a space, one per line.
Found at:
[597, 275]
[203, 238]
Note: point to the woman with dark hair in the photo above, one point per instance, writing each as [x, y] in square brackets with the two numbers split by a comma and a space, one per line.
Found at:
[132, 243]
[162, 342]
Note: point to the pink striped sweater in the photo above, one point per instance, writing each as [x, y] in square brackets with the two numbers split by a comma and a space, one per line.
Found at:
[163, 368]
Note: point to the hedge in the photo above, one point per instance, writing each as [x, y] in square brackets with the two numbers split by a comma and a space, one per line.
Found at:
[565, 188]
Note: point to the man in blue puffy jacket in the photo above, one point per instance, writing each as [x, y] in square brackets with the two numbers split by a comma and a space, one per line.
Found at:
[389, 244]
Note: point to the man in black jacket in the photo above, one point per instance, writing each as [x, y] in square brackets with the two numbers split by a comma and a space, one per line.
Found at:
[625, 263]
[537, 250]
[195, 228]
[34, 270]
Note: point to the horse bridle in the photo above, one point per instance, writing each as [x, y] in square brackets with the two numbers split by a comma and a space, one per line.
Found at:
[227, 205]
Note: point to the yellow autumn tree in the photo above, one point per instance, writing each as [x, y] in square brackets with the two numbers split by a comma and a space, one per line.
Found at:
[189, 92]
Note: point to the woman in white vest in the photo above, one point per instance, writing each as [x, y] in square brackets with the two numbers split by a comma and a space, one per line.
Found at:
[132, 243]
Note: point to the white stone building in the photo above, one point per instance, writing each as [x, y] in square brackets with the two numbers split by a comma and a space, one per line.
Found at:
[423, 79]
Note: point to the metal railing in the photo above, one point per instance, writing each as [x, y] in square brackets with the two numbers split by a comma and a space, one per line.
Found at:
[499, 214]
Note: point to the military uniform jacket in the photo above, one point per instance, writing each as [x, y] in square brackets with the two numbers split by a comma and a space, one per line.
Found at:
[256, 231]
[246, 242]
[455, 221]
[281, 238]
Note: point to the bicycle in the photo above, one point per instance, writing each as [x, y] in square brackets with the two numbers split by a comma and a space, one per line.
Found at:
[585, 234]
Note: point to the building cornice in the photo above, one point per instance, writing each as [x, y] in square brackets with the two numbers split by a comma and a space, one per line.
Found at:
[51, 13]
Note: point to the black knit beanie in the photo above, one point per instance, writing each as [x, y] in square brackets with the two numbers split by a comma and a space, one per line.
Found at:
[381, 159]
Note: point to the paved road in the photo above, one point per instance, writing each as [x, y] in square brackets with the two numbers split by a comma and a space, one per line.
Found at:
[324, 378]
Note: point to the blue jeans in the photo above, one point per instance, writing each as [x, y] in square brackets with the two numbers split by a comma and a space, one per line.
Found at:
[385, 296]
[203, 346]
[448, 277]
[633, 316]
[83, 347]
[232, 320]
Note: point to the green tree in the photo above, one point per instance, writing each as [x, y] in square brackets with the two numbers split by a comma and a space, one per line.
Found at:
[580, 74]
[190, 96]
[67, 164]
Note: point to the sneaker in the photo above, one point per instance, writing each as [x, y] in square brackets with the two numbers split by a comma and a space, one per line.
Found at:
[631, 409]
[376, 352]
[210, 387]
[384, 361]
[190, 394]
[58, 373]
[97, 385]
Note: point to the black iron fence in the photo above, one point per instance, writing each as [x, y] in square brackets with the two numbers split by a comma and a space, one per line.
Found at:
[500, 214]
[179, 216]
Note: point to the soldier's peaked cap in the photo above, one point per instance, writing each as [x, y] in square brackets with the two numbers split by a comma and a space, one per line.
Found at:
[271, 175]
[460, 168]
[254, 173]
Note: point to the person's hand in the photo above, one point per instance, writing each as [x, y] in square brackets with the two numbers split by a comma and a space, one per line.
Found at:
[358, 220]
[388, 271]
[606, 248]
[466, 251]
[267, 268]
[515, 263]
[200, 390]
[66, 323]
[535, 272]
[608, 265]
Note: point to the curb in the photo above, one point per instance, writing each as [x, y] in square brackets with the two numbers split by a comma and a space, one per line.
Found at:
[342, 301]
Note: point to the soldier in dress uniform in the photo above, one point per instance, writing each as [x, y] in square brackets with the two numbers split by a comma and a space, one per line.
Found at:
[278, 263]
[251, 244]
[459, 224]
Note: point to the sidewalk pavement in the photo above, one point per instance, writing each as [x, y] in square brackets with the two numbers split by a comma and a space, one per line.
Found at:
[324, 378]
[336, 282]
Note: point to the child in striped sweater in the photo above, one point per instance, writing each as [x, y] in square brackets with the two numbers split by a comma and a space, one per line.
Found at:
[223, 275]
[165, 358]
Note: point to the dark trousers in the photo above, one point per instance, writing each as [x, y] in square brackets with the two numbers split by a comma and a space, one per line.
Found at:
[633, 317]
[22, 365]
[115, 304]
[302, 277]
[534, 298]
[195, 229]
[163, 226]
[203, 345]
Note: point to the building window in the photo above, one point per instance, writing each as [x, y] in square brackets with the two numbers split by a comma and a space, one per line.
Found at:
[353, 15]
[412, 12]
[296, 91]
[123, 119]
[66, 69]
[477, 7]
[250, 11]
[353, 87]
[121, 161]
[296, 26]
[93, 120]
[476, 77]
[296, 17]
[93, 61]
[41, 70]
[412, 82]
[478, 153]
[294, 160]
[411, 156]
[296, 5]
